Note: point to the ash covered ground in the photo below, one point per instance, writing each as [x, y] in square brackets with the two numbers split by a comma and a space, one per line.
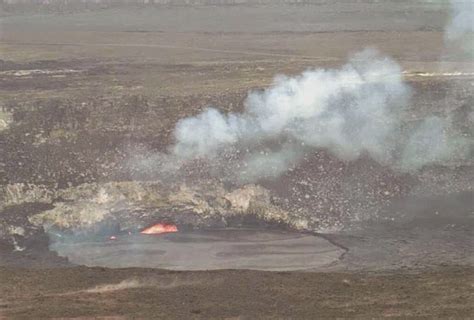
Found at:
[106, 128]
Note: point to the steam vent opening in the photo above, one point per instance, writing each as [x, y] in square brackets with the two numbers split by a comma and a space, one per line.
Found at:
[160, 228]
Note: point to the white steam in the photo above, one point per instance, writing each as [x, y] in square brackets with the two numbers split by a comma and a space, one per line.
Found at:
[427, 144]
[460, 28]
[349, 111]
[352, 111]
[462, 19]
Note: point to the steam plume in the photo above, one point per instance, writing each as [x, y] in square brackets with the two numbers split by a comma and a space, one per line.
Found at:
[459, 30]
[351, 111]
[348, 111]
[462, 19]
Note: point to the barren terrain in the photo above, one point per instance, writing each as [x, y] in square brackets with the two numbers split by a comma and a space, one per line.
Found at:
[90, 94]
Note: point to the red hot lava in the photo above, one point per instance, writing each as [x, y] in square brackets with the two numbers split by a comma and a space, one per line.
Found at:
[160, 228]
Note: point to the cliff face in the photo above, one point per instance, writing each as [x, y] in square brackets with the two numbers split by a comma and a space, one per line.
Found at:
[131, 206]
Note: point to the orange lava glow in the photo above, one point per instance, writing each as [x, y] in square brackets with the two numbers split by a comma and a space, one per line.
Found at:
[160, 228]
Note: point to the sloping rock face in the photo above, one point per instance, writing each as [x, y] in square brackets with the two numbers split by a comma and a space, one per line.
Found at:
[322, 194]
[129, 206]
[17, 233]
[133, 205]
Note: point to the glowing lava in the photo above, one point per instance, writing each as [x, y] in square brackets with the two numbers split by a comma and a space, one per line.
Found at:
[160, 228]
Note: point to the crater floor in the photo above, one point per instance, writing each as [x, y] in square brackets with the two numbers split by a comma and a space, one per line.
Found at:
[207, 250]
